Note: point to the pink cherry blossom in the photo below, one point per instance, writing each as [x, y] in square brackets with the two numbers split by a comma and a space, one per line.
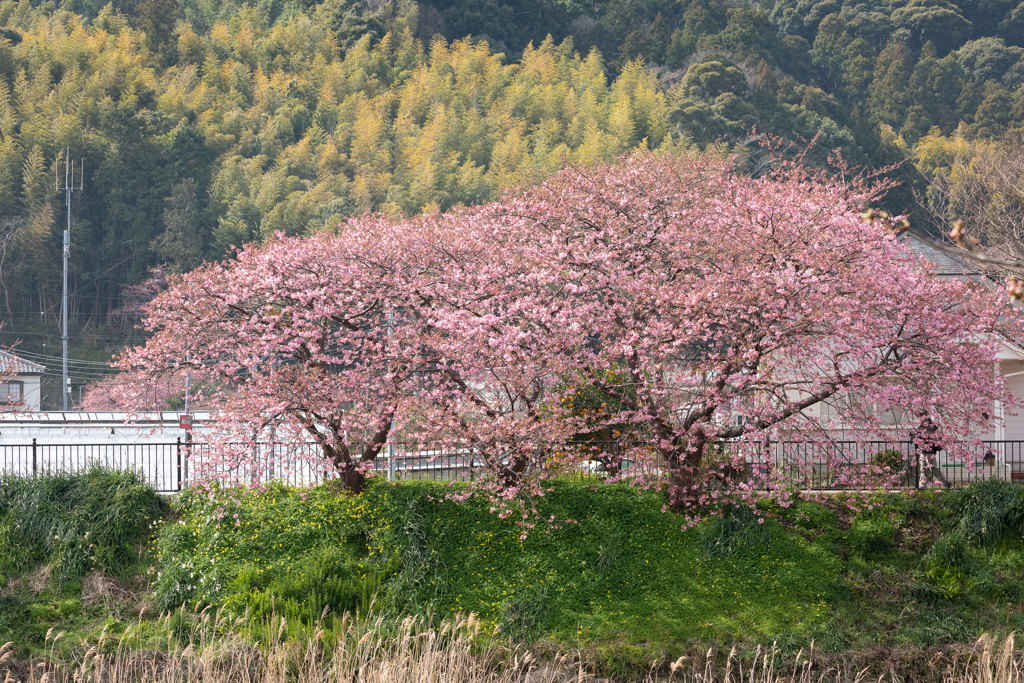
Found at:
[731, 309]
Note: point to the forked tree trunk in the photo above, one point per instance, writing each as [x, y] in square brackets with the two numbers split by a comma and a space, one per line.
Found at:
[349, 473]
[509, 475]
[351, 477]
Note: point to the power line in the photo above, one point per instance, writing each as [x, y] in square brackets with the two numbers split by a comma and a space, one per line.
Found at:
[92, 372]
[83, 374]
[92, 366]
[42, 356]
[125, 340]
[79, 377]
[35, 315]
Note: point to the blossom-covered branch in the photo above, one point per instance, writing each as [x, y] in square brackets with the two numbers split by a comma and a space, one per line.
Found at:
[709, 307]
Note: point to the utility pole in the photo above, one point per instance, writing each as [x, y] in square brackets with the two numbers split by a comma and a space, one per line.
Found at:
[69, 187]
[188, 381]
[188, 392]
[391, 431]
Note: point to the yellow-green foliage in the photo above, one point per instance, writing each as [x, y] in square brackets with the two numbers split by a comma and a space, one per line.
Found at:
[612, 563]
[251, 127]
[299, 133]
[612, 574]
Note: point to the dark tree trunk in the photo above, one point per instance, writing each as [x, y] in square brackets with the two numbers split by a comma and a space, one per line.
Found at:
[509, 475]
[350, 474]
[613, 466]
[684, 461]
[351, 478]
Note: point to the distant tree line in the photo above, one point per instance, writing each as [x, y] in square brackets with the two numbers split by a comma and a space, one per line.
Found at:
[211, 124]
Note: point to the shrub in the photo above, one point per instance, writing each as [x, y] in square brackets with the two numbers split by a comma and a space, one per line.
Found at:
[871, 536]
[948, 551]
[891, 458]
[525, 616]
[738, 528]
[328, 580]
[946, 565]
[927, 593]
[287, 550]
[986, 510]
[610, 562]
[895, 462]
[920, 505]
[77, 522]
[810, 515]
[14, 554]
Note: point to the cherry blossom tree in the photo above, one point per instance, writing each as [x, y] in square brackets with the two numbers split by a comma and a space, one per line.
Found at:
[717, 312]
[491, 326]
[739, 307]
[384, 328]
[139, 391]
[291, 337]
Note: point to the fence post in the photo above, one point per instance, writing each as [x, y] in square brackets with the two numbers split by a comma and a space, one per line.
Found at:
[391, 460]
[917, 464]
[188, 454]
[178, 446]
[35, 462]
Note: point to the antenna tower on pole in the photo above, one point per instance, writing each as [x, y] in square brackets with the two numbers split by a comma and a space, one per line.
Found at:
[69, 187]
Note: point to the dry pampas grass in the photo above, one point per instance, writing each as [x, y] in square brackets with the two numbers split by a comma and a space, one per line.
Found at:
[988, 662]
[217, 648]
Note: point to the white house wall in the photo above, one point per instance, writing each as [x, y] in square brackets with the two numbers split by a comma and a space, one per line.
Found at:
[32, 392]
[1013, 424]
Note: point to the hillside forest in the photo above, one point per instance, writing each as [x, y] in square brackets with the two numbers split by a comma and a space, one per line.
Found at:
[205, 124]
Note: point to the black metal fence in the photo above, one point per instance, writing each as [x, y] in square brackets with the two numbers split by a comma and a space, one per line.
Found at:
[163, 465]
[169, 466]
[850, 464]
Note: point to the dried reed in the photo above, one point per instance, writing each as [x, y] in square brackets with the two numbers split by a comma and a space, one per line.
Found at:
[217, 648]
[986, 663]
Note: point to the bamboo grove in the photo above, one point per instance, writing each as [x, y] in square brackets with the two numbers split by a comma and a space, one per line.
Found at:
[206, 125]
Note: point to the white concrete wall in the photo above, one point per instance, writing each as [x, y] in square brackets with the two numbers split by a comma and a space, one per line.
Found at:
[72, 440]
[69, 441]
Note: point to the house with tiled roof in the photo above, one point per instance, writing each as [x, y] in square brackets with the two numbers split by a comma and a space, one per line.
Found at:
[20, 382]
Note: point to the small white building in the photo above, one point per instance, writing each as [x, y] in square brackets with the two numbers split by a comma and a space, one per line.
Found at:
[21, 390]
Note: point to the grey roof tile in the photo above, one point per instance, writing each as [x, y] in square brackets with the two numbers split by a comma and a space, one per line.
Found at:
[21, 366]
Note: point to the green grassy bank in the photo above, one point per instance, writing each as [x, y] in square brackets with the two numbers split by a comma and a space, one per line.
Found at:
[68, 544]
[614, 576]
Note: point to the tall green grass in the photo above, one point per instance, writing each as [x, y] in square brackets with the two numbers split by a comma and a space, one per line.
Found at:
[75, 523]
[986, 511]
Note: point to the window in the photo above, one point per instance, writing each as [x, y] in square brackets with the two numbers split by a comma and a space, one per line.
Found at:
[893, 416]
[836, 406]
[12, 392]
